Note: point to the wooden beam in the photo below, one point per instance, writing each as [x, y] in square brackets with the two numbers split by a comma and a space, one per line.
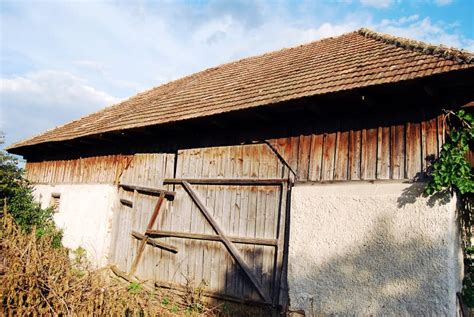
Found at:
[152, 191]
[144, 241]
[155, 243]
[128, 278]
[122, 274]
[210, 237]
[228, 181]
[228, 244]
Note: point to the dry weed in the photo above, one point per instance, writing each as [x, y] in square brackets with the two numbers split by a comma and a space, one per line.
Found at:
[39, 279]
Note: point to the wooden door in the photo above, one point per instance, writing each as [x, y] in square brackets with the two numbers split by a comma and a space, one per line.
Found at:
[226, 222]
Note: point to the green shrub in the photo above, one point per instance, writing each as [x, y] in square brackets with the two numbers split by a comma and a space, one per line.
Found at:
[453, 171]
[17, 194]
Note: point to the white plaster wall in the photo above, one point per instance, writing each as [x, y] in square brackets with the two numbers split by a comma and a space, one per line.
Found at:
[85, 215]
[373, 249]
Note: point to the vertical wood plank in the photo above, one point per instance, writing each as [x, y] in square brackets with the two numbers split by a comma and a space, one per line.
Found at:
[397, 152]
[413, 150]
[316, 157]
[369, 154]
[329, 147]
[292, 149]
[431, 141]
[342, 156]
[441, 132]
[303, 157]
[354, 154]
[383, 153]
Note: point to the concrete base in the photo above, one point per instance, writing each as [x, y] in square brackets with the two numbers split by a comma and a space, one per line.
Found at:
[85, 215]
[373, 249]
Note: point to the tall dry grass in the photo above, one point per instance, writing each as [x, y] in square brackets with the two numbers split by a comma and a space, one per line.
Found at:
[39, 279]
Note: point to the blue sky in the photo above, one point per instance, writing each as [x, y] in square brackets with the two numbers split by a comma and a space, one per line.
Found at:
[63, 60]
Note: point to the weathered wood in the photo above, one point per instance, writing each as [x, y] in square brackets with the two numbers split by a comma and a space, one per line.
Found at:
[101, 169]
[397, 152]
[329, 149]
[303, 157]
[122, 274]
[383, 153]
[272, 144]
[441, 131]
[207, 237]
[143, 242]
[316, 157]
[287, 148]
[369, 154]
[430, 142]
[341, 166]
[354, 154]
[229, 245]
[152, 191]
[414, 158]
[152, 242]
[283, 209]
[227, 181]
[243, 211]
[128, 278]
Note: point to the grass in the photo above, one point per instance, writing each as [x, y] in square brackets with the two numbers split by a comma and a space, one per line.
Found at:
[39, 278]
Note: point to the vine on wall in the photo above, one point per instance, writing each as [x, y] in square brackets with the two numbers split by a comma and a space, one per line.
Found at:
[452, 171]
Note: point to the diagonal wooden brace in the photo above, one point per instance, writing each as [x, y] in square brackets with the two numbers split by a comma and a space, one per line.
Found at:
[143, 242]
[228, 244]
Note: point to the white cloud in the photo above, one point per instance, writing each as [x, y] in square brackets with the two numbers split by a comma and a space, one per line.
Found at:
[51, 89]
[443, 2]
[425, 30]
[380, 4]
[38, 101]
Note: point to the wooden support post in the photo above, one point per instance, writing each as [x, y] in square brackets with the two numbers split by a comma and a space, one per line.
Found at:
[152, 220]
[228, 244]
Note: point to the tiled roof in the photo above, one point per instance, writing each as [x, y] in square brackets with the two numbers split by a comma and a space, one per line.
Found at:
[358, 59]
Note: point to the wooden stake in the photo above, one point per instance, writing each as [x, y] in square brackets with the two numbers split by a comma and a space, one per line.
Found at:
[143, 242]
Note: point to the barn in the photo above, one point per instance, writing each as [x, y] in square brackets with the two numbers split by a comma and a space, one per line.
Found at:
[289, 180]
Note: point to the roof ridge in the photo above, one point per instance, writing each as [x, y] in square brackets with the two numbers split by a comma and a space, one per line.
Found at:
[458, 55]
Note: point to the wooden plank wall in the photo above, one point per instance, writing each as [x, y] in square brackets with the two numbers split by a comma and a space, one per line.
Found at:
[397, 151]
[242, 211]
[146, 170]
[138, 168]
[401, 151]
